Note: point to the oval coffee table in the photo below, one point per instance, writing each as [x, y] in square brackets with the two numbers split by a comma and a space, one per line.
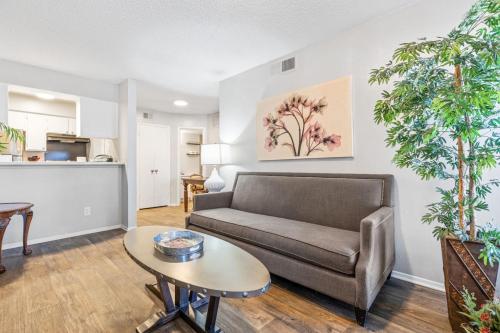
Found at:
[221, 270]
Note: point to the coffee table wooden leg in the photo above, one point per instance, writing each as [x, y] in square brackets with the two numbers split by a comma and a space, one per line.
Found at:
[27, 217]
[4, 222]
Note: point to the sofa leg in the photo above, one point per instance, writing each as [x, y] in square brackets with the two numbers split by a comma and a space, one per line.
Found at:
[389, 276]
[360, 316]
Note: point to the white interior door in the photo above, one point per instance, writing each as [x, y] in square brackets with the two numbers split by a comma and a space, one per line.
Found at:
[146, 167]
[154, 165]
[162, 166]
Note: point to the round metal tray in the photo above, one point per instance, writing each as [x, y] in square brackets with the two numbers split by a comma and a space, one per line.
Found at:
[195, 238]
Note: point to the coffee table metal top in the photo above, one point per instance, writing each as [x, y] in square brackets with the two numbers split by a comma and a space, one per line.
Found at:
[222, 270]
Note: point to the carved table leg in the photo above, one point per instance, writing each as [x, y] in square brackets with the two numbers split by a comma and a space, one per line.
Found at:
[26, 228]
[4, 222]
[186, 197]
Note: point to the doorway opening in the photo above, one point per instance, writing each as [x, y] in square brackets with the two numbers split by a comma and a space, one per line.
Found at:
[189, 148]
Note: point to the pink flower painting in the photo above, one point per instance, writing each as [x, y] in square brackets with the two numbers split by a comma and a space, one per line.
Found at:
[296, 124]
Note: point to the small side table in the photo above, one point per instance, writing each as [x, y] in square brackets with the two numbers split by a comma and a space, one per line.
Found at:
[186, 181]
[7, 210]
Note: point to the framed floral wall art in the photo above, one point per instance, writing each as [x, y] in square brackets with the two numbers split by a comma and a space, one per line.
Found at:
[313, 122]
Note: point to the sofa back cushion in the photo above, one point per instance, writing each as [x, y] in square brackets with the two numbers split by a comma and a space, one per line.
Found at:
[335, 200]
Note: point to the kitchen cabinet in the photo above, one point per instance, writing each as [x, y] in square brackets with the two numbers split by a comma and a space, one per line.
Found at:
[36, 132]
[71, 126]
[36, 127]
[154, 165]
[57, 125]
[97, 119]
[62, 125]
[18, 120]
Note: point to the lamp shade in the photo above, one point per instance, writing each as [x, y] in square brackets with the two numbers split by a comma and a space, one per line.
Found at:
[214, 154]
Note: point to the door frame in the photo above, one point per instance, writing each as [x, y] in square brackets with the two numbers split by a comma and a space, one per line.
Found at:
[178, 171]
[140, 124]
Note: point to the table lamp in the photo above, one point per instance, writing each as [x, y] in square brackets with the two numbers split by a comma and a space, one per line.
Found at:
[214, 154]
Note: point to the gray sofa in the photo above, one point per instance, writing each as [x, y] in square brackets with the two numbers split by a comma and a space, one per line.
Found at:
[333, 233]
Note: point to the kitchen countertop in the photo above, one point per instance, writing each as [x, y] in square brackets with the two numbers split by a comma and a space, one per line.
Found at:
[57, 163]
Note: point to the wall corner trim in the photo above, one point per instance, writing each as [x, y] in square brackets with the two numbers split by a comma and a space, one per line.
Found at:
[125, 228]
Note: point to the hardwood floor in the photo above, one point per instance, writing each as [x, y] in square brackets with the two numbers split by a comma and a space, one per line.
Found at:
[88, 284]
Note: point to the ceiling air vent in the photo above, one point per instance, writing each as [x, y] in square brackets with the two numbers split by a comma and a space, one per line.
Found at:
[288, 64]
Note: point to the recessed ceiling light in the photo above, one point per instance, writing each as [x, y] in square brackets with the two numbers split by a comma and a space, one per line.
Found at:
[45, 96]
[180, 102]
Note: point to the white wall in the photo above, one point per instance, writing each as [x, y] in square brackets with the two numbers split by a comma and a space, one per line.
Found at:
[27, 103]
[213, 135]
[60, 194]
[46, 79]
[4, 102]
[354, 52]
[97, 119]
[175, 121]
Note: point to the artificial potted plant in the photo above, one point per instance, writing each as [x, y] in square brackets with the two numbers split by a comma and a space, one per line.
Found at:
[442, 115]
[9, 134]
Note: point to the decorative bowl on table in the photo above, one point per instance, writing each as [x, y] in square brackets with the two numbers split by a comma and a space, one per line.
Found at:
[178, 242]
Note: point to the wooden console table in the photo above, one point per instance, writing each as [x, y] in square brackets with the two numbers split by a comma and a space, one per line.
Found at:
[186, 181]
[7, 210]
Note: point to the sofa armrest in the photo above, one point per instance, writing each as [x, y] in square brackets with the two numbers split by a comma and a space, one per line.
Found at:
[376, 257]
[212, 200]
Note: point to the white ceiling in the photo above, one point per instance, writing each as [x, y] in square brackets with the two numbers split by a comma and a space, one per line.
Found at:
[154, 97]
[183, 46]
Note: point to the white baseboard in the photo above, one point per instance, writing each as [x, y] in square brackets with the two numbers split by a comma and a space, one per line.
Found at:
[418, 280]
[395, 274]
[62, 236]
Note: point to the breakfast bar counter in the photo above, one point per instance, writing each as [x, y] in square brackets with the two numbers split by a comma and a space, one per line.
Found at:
[50, 163]
[70, 198]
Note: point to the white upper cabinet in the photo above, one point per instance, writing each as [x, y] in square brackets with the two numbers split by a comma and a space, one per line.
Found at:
[71, 126]
[36, 132]
[18, 120]
[97, 118]
[57, 125]
[36, 127]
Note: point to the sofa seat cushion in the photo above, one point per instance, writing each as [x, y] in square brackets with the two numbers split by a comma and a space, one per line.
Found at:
[332, 248]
